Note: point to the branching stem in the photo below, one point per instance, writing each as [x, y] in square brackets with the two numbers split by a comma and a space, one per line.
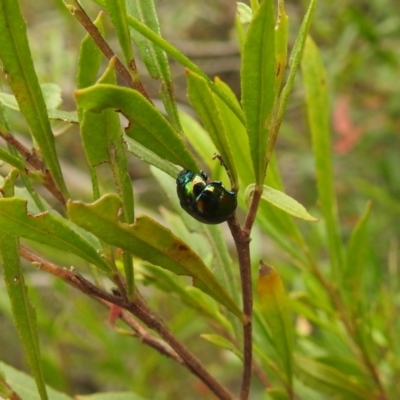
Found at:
[139, 308]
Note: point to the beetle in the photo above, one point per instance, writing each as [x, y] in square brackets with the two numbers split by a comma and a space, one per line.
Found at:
[209, 203]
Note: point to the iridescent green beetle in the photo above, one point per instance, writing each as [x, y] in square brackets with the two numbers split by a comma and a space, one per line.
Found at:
[209, 203]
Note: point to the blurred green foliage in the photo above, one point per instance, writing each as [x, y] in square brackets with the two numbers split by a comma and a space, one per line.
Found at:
[358, 42]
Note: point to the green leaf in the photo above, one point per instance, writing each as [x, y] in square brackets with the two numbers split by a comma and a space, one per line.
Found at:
[244, 12]
[48, 229]
[258, 84]
[97, 129]
[189, 295]
[295, 58]
[329, 379]
[178, 56]
[223, 343]
[147, 125]
[149, 241]
[117, 11]
[9, 101]
[52, 95]
[203, 101]
[355, 261]
[18, 66]
[24, 385]
[275, 308]
[110, 396]
[23, 312]
[281, 43]
[151, 158]
[90, 57]
[280, 200]
[224, 269]
[154, 57]
[199, 139]
[236, 135]
[277, 394]
[12, 160]
[5, 389]
[108, 140]
[317, 102]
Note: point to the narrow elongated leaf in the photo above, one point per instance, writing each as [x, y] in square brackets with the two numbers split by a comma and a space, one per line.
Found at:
[151, 158]
[331, 380]
[147, 125]
[177, 55]
[281, 43]
[150, 241]
[282, 201]
[277, 394]
[258, 84]
[317, 102]
[199, 139]
[9, 101]
[355, 260]
[10, 159]
[17, 63]
[295, 58]
[22, 310]
[189, 295]
[117, 11]
[46, 228]
[90, 57]
[203, 101]
[24, 385]
[154, 57]
[223, 343]
[224, 269]
[276, 310]
[111, 396]
[236, 135]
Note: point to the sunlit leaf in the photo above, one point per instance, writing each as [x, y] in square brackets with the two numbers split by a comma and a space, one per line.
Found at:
[282, 201]
[258, 83]
[244, 12]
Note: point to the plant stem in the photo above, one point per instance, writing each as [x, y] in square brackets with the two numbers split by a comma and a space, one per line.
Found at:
[80, 14]
[242, 241]
[141, 310]
[143, 334]
[31, 158]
